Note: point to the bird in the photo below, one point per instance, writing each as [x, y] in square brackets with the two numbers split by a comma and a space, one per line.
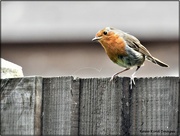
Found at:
[124, 50]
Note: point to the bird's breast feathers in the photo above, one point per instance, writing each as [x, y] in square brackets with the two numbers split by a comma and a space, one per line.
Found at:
[125, 56]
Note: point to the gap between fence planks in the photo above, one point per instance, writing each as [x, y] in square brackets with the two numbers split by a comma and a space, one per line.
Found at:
[93, 106]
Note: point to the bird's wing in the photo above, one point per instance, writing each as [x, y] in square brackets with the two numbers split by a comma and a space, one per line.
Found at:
[134, 43]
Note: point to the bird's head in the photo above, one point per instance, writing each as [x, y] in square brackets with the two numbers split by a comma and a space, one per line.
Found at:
[104, 34]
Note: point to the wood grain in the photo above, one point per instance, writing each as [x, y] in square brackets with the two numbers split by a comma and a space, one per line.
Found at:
[18, 106]
[101, 106]
[60, 106]
[92, 106]
[154, 106]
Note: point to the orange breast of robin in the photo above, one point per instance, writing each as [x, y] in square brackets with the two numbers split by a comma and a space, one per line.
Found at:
[114, 46]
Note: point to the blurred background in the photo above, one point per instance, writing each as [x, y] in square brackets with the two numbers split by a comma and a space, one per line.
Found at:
[54, 38]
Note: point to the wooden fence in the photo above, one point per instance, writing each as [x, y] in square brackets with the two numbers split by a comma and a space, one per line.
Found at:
[95, 106]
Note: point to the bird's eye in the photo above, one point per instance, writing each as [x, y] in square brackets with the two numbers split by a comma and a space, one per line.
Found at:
[105, 33]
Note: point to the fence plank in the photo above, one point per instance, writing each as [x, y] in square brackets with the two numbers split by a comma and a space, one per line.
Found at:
[154, 106]
[101, 106]
[18, 106]
[60, 106]
[75, 107]
[38, 106]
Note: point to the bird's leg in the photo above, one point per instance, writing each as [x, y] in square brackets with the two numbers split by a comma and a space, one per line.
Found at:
[118, 74]
[132, 77]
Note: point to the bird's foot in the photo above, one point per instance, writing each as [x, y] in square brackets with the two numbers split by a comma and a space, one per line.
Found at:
[132, 81]
[113, 77]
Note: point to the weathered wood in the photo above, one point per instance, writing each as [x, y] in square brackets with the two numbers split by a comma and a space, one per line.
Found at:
[154, 106]
[68, 106]
[101, 106]
[75, 107]
[18, 111]
[38, 106]
[150, 108]
[60, 106]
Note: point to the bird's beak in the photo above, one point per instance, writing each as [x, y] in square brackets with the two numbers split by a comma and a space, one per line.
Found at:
[96, 38]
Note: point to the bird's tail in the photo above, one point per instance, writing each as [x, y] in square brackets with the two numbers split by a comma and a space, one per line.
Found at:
[157, 61]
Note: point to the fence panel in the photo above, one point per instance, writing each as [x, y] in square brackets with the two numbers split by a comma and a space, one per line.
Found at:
[93, 106]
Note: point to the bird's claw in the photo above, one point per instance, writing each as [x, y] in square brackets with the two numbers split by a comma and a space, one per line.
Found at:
[132, 81]
[112, 78]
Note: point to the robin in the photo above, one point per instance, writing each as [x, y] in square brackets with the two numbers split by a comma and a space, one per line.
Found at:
[124, 50]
